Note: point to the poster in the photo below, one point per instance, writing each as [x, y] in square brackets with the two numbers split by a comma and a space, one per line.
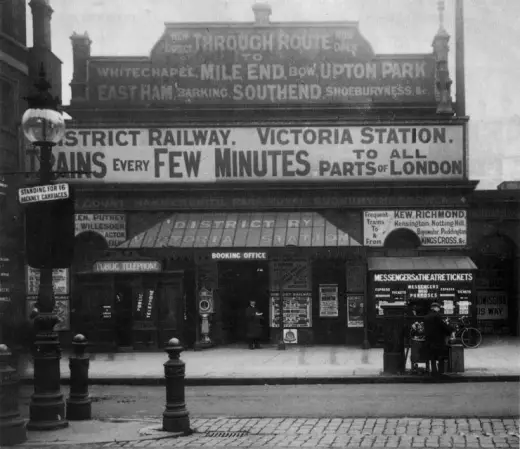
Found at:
[355, 310]
[328, 300]
[297, 309]
[60, 280]
[288, 155]
[5, 281]
[295, 274]
[492, 305]
[61, 309]
[112, 227]
[433, 227]
[290, 336]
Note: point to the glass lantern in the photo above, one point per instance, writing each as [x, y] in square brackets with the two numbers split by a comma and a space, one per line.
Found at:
[43, 126]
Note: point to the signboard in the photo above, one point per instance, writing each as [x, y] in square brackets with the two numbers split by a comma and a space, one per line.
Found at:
[255, 200]
[275, 65]
[278, 154]
[492, 305]
[434, 227]
[452, 290]
[61, 309]
[328, 300]
[290, 336]
[295, 275]
[48, 192]
[60, 281]
[231, 256]
[297, 310]
[112, 227]
[355, 310]
[144, 305]
[127, 267]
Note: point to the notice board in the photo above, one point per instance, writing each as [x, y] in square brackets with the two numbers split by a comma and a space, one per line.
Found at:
[297, 309]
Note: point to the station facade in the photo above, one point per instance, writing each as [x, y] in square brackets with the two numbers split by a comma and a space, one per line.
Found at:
[265, 160]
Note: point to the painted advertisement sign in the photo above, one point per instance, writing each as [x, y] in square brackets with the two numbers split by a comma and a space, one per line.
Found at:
[492, 305]
[277, 154]
[434, 227]
[112, 227]
[269, 66]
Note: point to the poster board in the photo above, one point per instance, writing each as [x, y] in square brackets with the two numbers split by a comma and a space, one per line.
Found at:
[355, 310]
[295, 273]
[297, 309]
[329, 303]
[60, 281]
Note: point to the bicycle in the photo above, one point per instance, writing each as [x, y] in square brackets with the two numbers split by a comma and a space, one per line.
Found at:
[470, 336]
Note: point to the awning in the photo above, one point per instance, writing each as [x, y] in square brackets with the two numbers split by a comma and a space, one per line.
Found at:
[430, 263]
[244, 229]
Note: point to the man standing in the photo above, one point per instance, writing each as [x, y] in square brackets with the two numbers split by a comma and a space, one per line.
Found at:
[254, 325]
[436, 332]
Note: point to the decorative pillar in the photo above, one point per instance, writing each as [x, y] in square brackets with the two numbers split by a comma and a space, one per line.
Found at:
[441, 50]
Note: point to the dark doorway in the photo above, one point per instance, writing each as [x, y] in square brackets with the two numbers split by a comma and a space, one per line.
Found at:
[123, 312]
[240, 282]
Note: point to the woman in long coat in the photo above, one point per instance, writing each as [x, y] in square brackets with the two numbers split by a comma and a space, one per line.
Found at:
[254, 325]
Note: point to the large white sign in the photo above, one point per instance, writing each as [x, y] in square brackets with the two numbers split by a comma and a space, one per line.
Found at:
[48, 192]
[492, 305]
[291, 154]
[112, 227]
[434, 227]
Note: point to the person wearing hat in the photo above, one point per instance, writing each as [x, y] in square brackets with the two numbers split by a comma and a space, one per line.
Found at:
[436, 333]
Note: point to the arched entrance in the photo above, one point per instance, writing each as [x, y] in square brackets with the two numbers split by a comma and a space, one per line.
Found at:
[402, 242]
[496, 284]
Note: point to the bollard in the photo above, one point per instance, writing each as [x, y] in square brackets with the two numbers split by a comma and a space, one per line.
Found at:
[12, 426]
[79, 404]
[175, 416]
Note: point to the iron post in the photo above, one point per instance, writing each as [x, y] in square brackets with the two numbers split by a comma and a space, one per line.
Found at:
[79, 404]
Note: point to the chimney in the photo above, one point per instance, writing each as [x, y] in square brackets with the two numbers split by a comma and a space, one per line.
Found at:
[262, 12]
[80, 55]
[41, 15]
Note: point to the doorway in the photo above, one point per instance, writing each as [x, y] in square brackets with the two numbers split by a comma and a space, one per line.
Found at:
[123, 312]
[240, 282]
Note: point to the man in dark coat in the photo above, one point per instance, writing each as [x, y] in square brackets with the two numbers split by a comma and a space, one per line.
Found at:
[254, 325]
[436, 333]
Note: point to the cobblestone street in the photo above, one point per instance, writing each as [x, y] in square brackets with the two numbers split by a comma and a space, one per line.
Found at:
[344, 433]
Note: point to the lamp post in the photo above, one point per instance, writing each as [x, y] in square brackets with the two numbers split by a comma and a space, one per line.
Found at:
[44, 126]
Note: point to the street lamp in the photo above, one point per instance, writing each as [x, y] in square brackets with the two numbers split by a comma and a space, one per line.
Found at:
[44, 126]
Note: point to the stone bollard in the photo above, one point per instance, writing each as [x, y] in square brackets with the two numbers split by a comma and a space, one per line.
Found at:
[79, 404]
[175, 416]
[12, 426]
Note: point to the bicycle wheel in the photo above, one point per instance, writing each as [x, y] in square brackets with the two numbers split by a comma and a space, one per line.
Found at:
[471, 338]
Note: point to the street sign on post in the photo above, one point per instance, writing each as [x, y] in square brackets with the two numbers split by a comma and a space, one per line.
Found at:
[48, 192]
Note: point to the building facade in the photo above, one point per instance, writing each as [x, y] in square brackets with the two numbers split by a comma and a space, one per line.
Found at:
[262, 161]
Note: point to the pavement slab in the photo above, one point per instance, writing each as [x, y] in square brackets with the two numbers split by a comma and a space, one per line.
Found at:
[498, 357]
[288, 433]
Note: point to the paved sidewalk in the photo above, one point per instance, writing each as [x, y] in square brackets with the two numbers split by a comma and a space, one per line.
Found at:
[216, 365]
[290, 432]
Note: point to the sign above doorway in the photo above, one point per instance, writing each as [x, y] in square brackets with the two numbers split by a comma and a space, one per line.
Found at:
[242, 255]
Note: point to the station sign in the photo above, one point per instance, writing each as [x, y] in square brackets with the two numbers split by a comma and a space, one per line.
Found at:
[127, 267]
[433, 227]
[37, 194]
[280, 65]
[233, 256]
[292, 154]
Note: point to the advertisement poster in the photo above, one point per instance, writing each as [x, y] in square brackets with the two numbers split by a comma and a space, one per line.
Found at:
[60, 280]
[290, 336]
[328, 300]
[434, 227]
[61, 309]
[355, 310]
[297, 309]
[5, 281]
[112, 227]
[273, 65]
[295, 275]
[313, 154]
[492, 305]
